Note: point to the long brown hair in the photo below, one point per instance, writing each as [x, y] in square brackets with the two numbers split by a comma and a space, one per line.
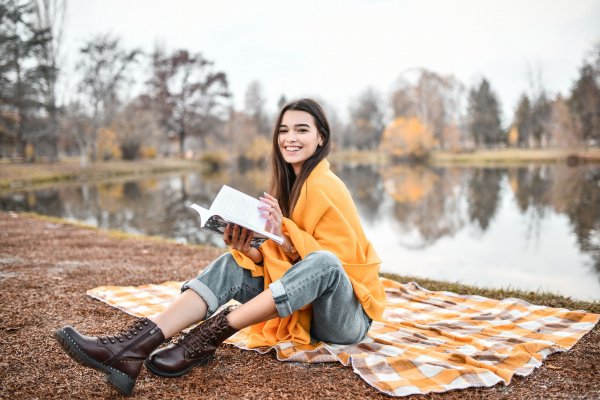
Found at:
[285, 185]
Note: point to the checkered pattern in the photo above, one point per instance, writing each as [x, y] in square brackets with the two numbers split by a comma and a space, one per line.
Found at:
[429, 341]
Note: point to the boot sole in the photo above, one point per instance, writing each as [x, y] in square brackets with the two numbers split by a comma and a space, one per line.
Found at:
[150, 367]
[119, 380]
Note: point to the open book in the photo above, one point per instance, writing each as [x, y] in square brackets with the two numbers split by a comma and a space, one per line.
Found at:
[233, 206]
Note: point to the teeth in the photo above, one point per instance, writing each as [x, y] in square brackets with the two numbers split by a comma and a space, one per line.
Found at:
[292, 148]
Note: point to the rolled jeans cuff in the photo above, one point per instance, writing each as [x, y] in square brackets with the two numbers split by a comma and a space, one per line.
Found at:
[281, 299]
[205, 293]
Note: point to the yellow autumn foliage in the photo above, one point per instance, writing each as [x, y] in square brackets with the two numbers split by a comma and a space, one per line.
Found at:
[107, 145]
[259, 150]
[148, 151]
[513, 136]
[407, 138]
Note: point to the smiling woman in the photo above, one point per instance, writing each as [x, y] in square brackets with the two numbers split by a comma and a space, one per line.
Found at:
[320, 284]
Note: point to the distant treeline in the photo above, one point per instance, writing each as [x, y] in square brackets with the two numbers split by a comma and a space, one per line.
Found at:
[128, 104]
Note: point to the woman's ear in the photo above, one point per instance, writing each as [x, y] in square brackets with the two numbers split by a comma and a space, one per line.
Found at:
[320, 140]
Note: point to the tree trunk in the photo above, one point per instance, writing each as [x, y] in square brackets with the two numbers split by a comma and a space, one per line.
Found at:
[83, 158]
[181, 143]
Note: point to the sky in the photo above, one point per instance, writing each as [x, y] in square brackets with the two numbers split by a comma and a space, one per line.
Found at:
[334, 50]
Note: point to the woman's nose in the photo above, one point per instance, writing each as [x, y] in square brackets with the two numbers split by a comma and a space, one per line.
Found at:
[291, 136]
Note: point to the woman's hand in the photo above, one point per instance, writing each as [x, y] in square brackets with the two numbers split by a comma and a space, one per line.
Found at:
[238, 238]
[271, 211]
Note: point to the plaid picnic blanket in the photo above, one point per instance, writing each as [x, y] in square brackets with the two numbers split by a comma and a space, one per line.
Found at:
[430, 341]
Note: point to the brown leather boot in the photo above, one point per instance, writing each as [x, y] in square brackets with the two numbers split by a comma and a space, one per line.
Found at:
[195, 348]
[119, 356]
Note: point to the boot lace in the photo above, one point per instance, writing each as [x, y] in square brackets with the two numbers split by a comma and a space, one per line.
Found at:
[204, 334]
[127, 334]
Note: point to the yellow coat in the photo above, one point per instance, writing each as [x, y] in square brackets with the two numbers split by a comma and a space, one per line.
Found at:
[324, 218]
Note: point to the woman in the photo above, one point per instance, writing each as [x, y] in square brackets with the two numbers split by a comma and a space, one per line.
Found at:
[321, 283]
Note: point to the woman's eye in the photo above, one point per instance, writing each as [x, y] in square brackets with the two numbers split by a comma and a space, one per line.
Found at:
[303, 130]
[282, 132]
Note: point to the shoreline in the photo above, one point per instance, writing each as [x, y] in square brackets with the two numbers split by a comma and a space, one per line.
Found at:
[23, 176]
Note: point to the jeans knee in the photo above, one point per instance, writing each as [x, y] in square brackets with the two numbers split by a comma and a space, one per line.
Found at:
[222, 269]
[328, 266]
[226, 259]
[324, 257]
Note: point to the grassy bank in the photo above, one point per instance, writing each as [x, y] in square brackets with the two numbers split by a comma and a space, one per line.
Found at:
[516, 156]
[477, 157]
[15, 176]
[541, 298]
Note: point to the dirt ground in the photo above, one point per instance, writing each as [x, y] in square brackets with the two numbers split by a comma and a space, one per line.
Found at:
[46, 267]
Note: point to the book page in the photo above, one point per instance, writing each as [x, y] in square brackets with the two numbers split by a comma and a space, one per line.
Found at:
[241, 209]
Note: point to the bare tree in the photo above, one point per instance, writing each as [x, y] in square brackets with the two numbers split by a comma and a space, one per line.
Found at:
[561, 127]
[105, 68]
[186, 93]
[255, 107]
[436, 100]
[366, 119]
[79, 126]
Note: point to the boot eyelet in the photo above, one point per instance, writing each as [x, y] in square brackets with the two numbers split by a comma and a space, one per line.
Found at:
[141, 328]
[128, 336]
[121, 340]
[104, 341]
[135, 332]
[112, 341]
[145, 322]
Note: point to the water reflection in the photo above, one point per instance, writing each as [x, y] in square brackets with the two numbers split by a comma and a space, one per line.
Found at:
[534, 227]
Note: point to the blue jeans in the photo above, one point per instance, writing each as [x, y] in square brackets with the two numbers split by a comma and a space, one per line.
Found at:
[319, 279]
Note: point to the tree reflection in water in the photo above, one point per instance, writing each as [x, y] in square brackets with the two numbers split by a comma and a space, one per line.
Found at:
[425, 199]
[484, 195]
[425, 203]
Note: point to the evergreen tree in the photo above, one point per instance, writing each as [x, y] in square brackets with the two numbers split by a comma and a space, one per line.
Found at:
[523, 121]
[484, 116]
[19, 73]
[540, 118]
[585, 103]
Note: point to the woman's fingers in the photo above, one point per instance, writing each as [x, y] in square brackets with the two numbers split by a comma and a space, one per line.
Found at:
[248, 235]
[227, 235]
[237, 237]
[271, 201]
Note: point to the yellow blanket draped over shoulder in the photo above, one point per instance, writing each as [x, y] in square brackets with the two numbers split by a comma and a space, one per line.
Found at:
[324, 218]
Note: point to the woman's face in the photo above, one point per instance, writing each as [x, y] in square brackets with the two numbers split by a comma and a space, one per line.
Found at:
[298, 138]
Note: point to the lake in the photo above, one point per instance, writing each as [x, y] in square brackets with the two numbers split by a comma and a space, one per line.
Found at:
[533, 227]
